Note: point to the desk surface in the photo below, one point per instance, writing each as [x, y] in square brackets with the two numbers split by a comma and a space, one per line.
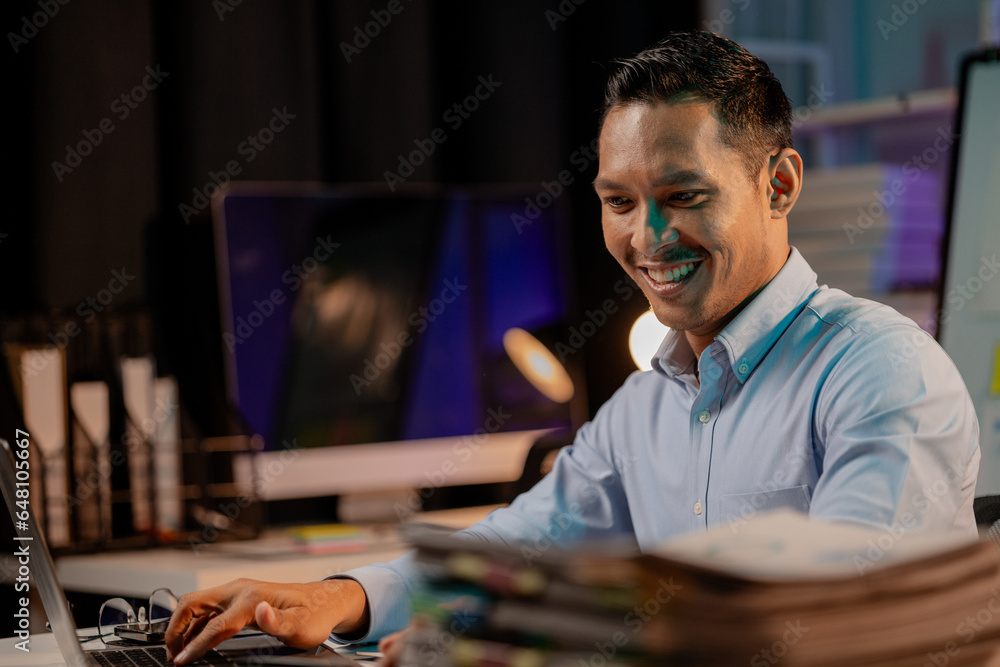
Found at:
[136, 573]
[182, 569]
[42, 651]
[186, 569]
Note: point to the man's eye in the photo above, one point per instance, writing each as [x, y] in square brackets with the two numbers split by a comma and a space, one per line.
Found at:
[686, 197]
[617, 202]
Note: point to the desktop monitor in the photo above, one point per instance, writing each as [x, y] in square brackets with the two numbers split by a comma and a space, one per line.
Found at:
[355, 317]
[969, 314]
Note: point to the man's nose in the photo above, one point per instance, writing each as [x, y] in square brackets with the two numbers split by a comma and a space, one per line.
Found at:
[654, 231]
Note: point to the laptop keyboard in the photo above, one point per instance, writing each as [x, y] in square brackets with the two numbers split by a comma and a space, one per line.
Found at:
[152, 656]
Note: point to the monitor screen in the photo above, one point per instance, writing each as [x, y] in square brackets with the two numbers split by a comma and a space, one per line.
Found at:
[352, 315]
[969, 315]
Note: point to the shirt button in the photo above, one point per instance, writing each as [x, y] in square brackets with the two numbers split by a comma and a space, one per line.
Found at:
[743, 368]
[704, 416]
[698, 508]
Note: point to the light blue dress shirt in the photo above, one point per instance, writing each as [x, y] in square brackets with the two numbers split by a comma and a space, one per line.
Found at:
[809, 399]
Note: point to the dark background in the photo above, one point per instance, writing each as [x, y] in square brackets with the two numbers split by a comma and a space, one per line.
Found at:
[227, 67]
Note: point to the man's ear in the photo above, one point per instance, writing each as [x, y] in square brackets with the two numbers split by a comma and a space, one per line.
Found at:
[784, 181]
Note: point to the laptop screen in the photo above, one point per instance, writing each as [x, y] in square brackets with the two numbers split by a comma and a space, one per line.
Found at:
[32, 553]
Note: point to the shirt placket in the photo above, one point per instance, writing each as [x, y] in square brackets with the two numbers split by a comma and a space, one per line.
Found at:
[704, 415]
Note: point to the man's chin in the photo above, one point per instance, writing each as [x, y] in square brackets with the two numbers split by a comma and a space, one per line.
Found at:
[688, 318]
[670, 318]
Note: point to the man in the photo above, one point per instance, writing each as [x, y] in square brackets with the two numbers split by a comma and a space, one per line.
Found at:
[769, 391]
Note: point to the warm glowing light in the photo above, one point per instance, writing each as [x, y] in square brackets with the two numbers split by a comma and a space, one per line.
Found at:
[537, 364]
[644, 339]
[541, 364]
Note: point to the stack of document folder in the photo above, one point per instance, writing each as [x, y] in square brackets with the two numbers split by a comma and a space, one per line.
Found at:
[778, 588]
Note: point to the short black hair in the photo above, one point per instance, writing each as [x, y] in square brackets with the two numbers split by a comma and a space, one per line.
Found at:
[748, 100]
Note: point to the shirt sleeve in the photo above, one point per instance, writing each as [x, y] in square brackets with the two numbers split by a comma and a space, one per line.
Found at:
[580, 500]
[898, 436]
[388, 587]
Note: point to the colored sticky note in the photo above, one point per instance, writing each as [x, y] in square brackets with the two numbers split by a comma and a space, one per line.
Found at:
[995, 382]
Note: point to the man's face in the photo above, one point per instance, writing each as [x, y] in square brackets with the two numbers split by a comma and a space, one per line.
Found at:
[681, 216]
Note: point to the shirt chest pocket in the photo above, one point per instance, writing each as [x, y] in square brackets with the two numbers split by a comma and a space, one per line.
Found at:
[733, 506]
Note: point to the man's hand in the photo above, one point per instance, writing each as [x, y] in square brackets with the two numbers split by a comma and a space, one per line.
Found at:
[391, 647]
[301, 615]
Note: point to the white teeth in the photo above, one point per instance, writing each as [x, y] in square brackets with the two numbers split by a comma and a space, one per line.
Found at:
[670, 275]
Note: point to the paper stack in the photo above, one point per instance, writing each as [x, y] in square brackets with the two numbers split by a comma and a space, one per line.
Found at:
[779, 588]
[329, 538]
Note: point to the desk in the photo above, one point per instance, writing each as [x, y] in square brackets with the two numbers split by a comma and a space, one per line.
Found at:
[44, 651]
[184, 569]
[137, 573]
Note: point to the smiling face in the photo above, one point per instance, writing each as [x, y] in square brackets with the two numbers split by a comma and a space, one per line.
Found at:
[681, 216]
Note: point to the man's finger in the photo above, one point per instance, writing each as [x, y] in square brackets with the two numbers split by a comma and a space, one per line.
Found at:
[391, 647]
[177, 630]
[190, 607]
[267, 619]
[214, 631]
[196, 625]
[185, 634]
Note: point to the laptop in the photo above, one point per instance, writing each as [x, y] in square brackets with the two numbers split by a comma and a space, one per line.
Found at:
[255, 650]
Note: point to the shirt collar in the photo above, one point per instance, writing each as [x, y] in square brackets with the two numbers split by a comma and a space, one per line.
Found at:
[752, 334]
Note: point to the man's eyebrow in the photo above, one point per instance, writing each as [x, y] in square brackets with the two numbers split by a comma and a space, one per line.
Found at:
[683, 177]
[604, 184]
